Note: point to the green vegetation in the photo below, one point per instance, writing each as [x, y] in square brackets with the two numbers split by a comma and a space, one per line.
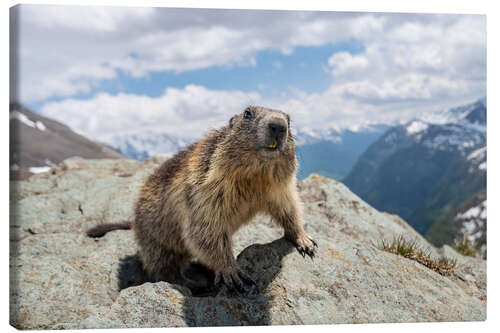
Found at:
[466, 247]
[411, 250]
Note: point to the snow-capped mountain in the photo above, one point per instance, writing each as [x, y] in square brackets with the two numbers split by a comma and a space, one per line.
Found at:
[330, 153]
[422, 167]
[334, 154]
[459, 128]
[477, 160]
[468, 219]
[473, 222]
[38, 143]
[307, 136]
[149, 143]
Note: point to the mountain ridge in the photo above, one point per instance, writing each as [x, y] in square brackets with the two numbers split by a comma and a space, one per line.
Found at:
[423, 167]
[331, 154]
[38, 143]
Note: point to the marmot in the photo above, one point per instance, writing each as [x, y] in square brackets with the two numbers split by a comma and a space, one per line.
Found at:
[190, 207]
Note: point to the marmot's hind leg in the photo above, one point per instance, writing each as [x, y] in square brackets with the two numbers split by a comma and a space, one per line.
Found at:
[163, 264]
[173, 267]
[200, 279]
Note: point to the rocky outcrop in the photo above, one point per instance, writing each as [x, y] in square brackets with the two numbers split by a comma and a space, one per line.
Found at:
[62, 279]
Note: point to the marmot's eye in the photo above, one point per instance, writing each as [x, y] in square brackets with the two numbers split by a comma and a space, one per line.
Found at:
[247, 114]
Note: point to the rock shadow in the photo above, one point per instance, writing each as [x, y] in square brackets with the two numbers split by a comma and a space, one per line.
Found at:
[262, 262]
[131, 272]
[199, 279]
[207, 305]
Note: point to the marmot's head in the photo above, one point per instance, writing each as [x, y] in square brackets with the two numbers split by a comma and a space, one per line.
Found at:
[263, 130]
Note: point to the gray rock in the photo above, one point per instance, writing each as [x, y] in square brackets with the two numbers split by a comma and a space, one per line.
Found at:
[62, 279]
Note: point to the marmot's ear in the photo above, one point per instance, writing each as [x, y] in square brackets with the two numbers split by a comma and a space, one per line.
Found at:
[231, 121]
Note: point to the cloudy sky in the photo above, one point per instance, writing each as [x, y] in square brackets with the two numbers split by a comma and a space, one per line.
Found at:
[110, 70]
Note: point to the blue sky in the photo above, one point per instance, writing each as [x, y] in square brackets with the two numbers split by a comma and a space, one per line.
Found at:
[108, 71]
[273, 74]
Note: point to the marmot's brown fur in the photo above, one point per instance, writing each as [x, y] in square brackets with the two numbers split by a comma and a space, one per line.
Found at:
[190, 207]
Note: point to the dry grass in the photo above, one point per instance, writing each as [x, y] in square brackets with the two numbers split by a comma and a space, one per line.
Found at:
[466, 247]
[411, 250]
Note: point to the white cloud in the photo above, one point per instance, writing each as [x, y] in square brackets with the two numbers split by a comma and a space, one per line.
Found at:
[189, 112]
[343, 63]
[417, 63]
[409, 64]
[185, 113]
[84, 17]
[57, 43]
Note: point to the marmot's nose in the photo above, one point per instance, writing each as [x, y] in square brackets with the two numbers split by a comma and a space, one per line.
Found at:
[277, 129]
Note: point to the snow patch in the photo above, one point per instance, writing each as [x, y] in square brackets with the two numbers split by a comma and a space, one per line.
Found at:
[471, 213]
[306, 136]
[22, 118]
[416, 126]
[141, 145]
[473, 221]
[39, 169]
[478, 158]
[40, 126]
[477, 154]
[49, 163]
[25, 120]
[454, 136]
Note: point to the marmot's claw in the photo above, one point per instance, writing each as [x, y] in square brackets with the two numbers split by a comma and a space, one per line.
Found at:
[238, 282]
[249, 285]
[246, 278]
[228, 281]
[306, 245]
[309, 251]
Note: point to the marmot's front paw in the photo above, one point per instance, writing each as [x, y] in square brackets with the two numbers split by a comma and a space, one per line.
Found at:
[306, 245]
[236, 280]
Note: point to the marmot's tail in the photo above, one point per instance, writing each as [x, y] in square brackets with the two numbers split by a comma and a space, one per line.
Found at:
[101, 229]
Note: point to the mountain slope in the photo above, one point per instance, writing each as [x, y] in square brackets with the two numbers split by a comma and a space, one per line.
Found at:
[38, 143]
[334, 159]
[468, 219]
[420, 169]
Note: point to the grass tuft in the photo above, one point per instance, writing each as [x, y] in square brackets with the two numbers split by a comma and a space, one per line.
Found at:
[466, 247]
[411, 250]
